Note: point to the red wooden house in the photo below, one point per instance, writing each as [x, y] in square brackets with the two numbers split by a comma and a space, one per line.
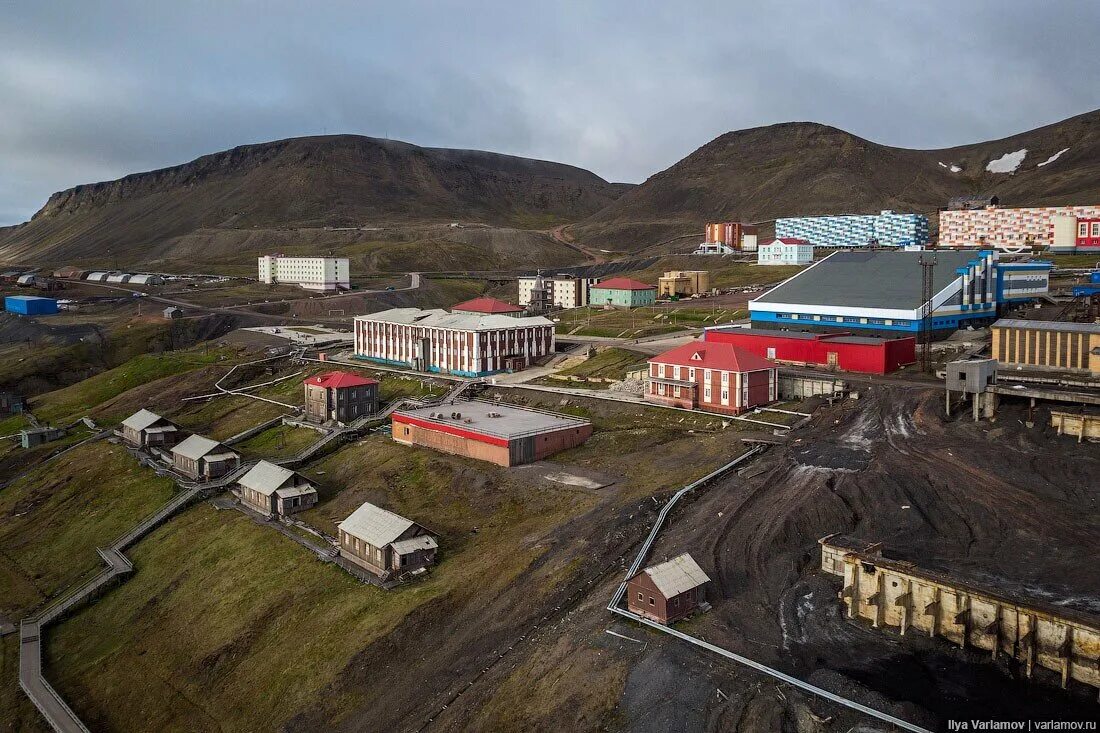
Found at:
[714, 377]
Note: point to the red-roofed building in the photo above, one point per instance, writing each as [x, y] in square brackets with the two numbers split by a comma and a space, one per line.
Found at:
[785, 251]
[339, 396]
[488, 305]
[715, 377]
[622, 292]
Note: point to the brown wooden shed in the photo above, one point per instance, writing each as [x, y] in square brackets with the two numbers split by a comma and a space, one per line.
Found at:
[146, 429]
[385, 543]
[667, 592]
[276, 491]
[203, 458]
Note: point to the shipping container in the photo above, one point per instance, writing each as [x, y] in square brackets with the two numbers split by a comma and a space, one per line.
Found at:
[30, 305]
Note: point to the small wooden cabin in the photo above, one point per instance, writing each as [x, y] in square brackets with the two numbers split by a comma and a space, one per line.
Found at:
[203, 458]
[667, 592]
[276, 491]
[145, 429]
[385, 543]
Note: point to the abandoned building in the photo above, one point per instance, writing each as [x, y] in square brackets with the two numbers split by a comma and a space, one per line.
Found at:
[12, 403]
[145, 429]
[33, 437]
[903, 595]
[490, 431]
[202, 458]
[1047, 345]
[339, 396]
[667, 592]
[385, 543]
[276, 491]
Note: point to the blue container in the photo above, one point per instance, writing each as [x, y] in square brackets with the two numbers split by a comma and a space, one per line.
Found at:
[30, 305]
[1094, 277]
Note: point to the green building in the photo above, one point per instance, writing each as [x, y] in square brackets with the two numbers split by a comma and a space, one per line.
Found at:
[622, 292]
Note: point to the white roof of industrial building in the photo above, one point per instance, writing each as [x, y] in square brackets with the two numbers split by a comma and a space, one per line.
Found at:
[374, 525]
[141, 420]
[196, 446]
[423, 542]
[493, 418]
[676, 576]
[142, 279]
[266, 478]
[439, 318]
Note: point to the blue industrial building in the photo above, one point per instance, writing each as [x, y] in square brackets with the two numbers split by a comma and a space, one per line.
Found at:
[878, 293]
[30, 305]
[887, 229]
[1092, 288]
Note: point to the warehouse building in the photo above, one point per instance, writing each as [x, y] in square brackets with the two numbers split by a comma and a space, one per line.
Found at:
[118, 277]
[490, 431]
[202, 458]
[275, 491]
[322, 274]
[30, 305]
[714, 377]
[878, 293]
[1063, 229]
[623, 292]
[1053, 345]
[145, 279]
[560, 291]
[683, 283]
[487, 306]
[146, 429]
[96, 277]
[69, 273]
[667, 592]
[844, 350]
[385, 543]
[339, 396]
[785, 251]
[887, 229]
[464, 344]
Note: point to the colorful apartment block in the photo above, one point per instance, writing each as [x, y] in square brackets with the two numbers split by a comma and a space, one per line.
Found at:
[1063, 229]
[887, 229]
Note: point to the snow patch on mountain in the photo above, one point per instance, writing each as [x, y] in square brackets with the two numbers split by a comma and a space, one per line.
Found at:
[1007, 163]
[953, 168]
[1052, 158]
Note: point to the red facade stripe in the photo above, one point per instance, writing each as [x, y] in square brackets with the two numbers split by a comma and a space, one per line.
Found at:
[450, 430]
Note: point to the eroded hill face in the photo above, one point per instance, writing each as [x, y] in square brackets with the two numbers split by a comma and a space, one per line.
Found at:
[308, 183]
[803, 168]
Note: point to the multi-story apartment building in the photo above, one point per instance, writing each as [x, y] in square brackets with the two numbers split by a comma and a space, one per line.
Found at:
[1061, 228]
[887, 229]
[563, 291]
[466, 344]
[785, 252]
[311, 273]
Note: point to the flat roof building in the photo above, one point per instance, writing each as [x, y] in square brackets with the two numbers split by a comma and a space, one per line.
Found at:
[667, 592]
[1047, 345]
[312, 273]
[465, 344]
[275, 491]
[490, 431]
[385, 543]
[875, 292]
[887, 228]
[785, 251]
[714, 377]
[30, 305]
[843, 350]
[145, 429]
[201, 458]
[561, 291]
[683, 282]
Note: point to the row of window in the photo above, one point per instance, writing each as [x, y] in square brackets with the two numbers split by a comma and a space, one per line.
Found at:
[843, 319]
[1084, 227]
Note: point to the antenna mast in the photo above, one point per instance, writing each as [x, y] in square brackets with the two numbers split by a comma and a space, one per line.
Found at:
[927, 270]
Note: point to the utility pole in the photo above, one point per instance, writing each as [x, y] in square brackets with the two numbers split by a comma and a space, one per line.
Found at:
[927, 271]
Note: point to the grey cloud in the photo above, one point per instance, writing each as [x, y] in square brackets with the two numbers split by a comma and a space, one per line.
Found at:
[92, 91]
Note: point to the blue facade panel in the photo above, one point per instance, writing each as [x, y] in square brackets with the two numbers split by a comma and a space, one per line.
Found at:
[902, 327]
[888, 229]
[29, 305]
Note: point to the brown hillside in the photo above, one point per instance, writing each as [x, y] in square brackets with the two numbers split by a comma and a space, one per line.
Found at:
[803, 168]
[312, 182]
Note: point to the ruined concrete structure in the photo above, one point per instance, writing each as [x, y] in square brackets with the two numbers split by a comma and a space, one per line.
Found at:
[1079, 425]
[902, 595]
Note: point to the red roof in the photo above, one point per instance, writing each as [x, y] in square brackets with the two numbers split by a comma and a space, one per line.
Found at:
[788, 240]
[714, 355]
[623, 283]
[338, 380]
[487, 305]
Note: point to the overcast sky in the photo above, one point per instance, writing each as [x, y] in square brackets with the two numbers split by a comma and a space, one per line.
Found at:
[91, 90]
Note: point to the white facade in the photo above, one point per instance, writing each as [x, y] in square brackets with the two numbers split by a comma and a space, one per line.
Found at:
[714, 248]
[566, 291]
[311, 273]
[785, 252]
[468, 344]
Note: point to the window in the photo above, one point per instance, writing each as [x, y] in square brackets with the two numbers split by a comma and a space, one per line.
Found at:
[651, 601]
[771, 352]
[1096, 229]
[691, 374]
[640, 596]
[1083, 229]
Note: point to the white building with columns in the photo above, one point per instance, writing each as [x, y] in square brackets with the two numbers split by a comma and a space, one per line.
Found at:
[464, 344]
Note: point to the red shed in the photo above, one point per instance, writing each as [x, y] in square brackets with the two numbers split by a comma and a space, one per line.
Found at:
[866, 354]
[716, 377]
[667, 592]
